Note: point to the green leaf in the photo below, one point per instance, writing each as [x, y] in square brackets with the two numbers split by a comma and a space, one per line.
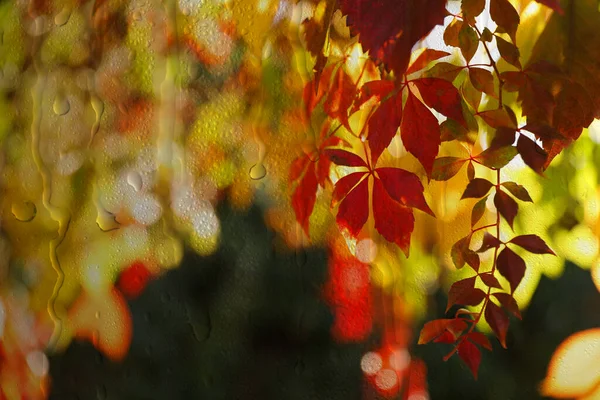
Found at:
[497, 157]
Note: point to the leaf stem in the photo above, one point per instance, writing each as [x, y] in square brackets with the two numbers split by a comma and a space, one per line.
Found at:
[493, 63]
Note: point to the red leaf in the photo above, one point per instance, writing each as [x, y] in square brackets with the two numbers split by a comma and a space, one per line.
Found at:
[344, 185]
[468, 42]
[478, 211]
[437, 327]
[445, 168]
[420, 132]
[497, 157]
[489, 242]
[464, 292]
[458, 251]
[446, 337]
[379, 89]
[340, 97]
[483, 80]
[506, 206]
[477, 188]
[504, 137]
[472, 259]
[427, 56]
[383, 125]
[498, 321]
[490, 280]
[509, 52]
[404, 187]
[388, 29]
[393, 221]
[354, 209]
[480, 339]
[518, 191]
[553, 4]
[471, 9]
[511, 266]
[497, 118]
[442, 96]
[533, 244]
[471, 356]
[304, 196]
[533, 155]
[470, 171]
[506, 17]
[443, 70]
[297, 167]
[316, 89]
[509, 303]
[345, 158]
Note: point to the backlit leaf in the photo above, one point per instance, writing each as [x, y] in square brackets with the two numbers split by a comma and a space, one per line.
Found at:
[458, 250]
[353, 211]
[379, 89]
[506, 17]
[471, 9]
[506, 206]
[404, 187]
[464, 292]
[426, 57]
[420, 132]
[478, 211]
[483, 80]
[508, 302]
[497, 157]
[304, 196]
[443, 70]
[498, 321]
[468, 42]
[435, 328]
[533, 244]
[445, 168]
[509, 52]
[532, 154]
[489, 242]
[490, 280]
[518, 191]
[343, 157]
[553, 4]
[477, 188]
[497, 118]
[383, 125]
[341, 95]
[442, 96]
[471, 355]
[480, 339]
[511, 266]
[451, 33]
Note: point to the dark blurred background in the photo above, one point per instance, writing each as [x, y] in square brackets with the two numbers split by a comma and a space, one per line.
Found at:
[249, 323]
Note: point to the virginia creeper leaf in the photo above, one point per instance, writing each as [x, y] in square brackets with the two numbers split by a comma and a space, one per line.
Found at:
[506, 206]
[464, 292]
[509, 52]
[478, 211]
[497, 118]
[533, 244]
[451, 33]
[553, 4]
[420, 132]
[472, 259]
[489, 242]
[445, 168]
[393, 221]
[343, 157]
[353, 211]
[468, 42]
[497, 157]
[490, 280]
[458, 250]
[442, 96]
[471, 95]
[443, 70]
[388, 29]
[471, 355]
[404, 187]
[451, 130]
[518, 191]
[532, 154]
[506, 17]
[511, 266]
[435, 328]
[477, 188]
[470, 171]
[383, 125]
[498, 321]
[483, 80]
[344, 185]
[480, 339]
[304, 196]
[341, 95]
[378, 89]
[471, 9]
[426, 57]
[503, 137]
[508, 302]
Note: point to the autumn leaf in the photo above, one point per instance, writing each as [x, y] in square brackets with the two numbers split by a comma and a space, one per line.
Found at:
[344, 158]
[379, 89]
[518, 191]
[509, 52]
[498, 321]
[533, 244]
[532, 154]
[404, 187]
[445, 168]
[442, 96]
[341, 95]
[383, 125]
[503, 137]
[508, 302]
[464, 292]
[423, 60]
[553, 4]
[304, 196]
[506, 206]
[435, 328]
[489, 242]
[388, 29]
[443, 70]
[315, 34]
[483, 80]
[480, 339]
[315, 90]
[511, 266]
[468, 42]
[420, 132]
[497, 157]
[497, 118]
[506, 17]
[353, 211]
[478, 211]
[458, 251]
[471, 355]
[490, 280]
[477, 188]
[471, 9]
[451, 33]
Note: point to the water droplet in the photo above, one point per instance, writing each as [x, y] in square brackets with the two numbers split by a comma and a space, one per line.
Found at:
[106, 221]
[258, 171]
[62, 17]
[61, 104]
[24, 211]
[137, 15]
[135, 180]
